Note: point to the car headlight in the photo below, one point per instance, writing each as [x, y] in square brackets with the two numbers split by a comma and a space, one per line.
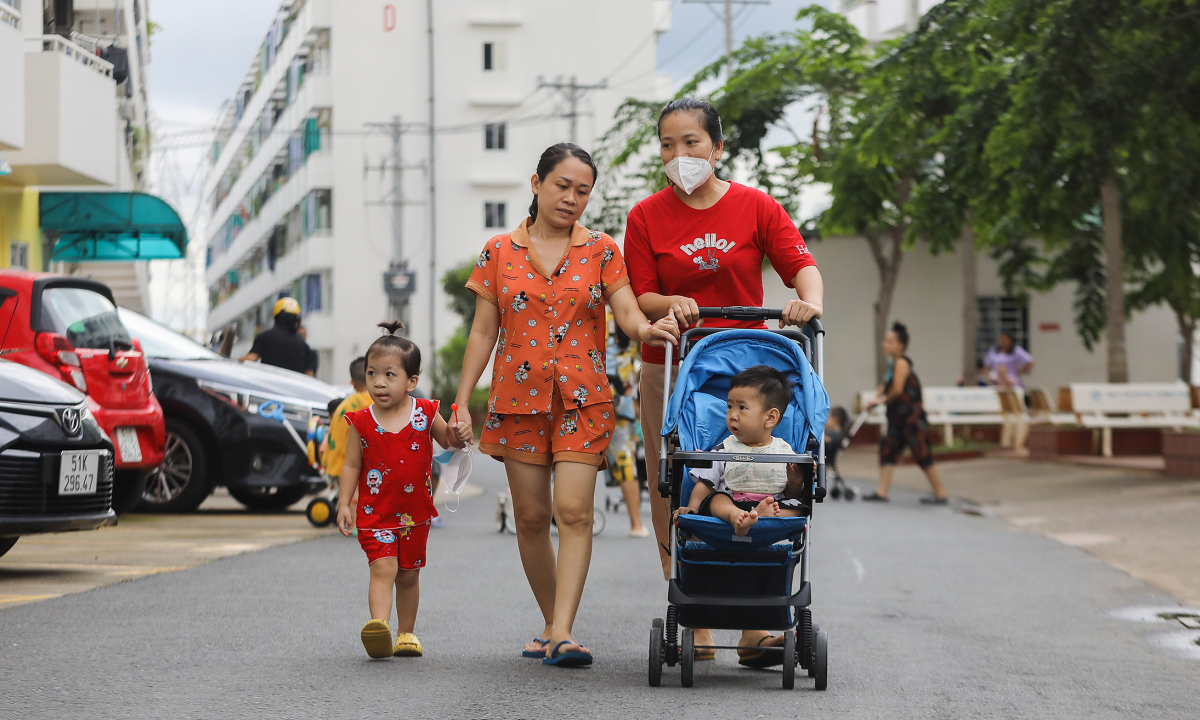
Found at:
[249, 402]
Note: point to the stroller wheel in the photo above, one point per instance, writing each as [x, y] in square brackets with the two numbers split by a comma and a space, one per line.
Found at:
[850, 493]
[789, 660]
[821, 660]
[687, 658]
[835, 492]
[656, 648]
[598, 521]
[319, 512]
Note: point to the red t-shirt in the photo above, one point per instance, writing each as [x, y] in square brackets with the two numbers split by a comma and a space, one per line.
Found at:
[395, 488]
[713, 256]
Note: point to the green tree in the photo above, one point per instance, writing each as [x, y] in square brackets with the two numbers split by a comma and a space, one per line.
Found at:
[450, 355]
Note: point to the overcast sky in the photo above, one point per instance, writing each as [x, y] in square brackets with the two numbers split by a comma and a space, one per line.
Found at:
[202, 49]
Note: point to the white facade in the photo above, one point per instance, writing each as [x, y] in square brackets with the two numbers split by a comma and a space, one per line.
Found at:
[310, 112]
[71, 120]
[878, 20]
[929, 299]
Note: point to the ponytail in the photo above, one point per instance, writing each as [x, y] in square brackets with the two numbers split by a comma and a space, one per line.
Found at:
[410, 354]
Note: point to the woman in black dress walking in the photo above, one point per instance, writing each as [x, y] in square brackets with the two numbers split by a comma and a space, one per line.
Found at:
[906, 422]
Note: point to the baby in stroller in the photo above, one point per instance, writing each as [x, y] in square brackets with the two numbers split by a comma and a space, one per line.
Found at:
[742, 492]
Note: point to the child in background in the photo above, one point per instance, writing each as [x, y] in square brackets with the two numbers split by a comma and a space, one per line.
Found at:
[742, 492]
[389, 459]
[335, 441]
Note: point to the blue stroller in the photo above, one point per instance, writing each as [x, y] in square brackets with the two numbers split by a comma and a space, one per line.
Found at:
[720, 580]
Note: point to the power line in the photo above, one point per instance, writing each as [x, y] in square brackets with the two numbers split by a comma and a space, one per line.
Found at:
[572, 92]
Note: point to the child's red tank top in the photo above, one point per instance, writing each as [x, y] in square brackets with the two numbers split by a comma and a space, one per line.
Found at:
[395, 488]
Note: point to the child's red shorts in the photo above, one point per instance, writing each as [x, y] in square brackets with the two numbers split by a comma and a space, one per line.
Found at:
[406, 544]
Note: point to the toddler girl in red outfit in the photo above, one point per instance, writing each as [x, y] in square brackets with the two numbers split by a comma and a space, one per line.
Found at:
[389, 460]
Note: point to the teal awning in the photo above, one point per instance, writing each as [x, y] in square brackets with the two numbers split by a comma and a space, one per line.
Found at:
[120, 226]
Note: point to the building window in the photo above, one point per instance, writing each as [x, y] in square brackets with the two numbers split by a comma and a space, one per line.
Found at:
[493, 215]
[998, 315]
[493, 56]
[494, 136]
[19, 255]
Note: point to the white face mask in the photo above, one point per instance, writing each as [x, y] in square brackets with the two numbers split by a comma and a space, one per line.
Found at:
[690, 173]
[454, 477]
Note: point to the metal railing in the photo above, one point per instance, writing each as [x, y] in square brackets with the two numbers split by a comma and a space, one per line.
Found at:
[10, 13]
[58, 43]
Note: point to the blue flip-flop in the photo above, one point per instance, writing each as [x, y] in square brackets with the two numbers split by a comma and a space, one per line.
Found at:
[536, 653]
[574, 658]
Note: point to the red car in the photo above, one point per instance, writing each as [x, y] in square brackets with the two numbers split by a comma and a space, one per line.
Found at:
[68, 328]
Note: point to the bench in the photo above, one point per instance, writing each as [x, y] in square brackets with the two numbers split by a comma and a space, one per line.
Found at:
[1105, 406]
[950, 406]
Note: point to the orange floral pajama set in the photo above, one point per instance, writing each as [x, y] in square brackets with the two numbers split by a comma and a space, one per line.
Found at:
[550, 399]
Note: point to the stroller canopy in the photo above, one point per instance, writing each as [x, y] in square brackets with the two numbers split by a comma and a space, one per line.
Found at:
[698, 403]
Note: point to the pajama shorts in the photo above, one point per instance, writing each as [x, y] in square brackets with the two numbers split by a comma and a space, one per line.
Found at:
[563, 435]
[406, 544]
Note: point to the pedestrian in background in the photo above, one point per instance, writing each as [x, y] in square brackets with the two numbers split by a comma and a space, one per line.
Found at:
[389, 462]
[702, 241]
[1006, 362]
[622, 455]
[541, 290]
[335, 441]
[283, 345]
[907, 425]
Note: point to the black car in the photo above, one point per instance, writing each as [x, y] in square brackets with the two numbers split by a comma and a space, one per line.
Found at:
[216, 434]
[56, 464]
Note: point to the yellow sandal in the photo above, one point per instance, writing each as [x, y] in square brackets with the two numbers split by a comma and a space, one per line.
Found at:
[377, 639]
[407, 645]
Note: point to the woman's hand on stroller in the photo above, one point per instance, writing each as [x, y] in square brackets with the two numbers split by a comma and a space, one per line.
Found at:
[798, 312]
[661, 332]
[685, 310]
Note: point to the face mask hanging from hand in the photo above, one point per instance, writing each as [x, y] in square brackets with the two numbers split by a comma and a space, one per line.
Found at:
[690, 173]
[454, 477]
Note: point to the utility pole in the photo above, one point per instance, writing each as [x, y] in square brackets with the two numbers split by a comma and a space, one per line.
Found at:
[727, 17]
[398, 281]
[573, 92]
[432, 209]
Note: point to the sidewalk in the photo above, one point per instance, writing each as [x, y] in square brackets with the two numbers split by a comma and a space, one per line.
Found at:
[1144, 523]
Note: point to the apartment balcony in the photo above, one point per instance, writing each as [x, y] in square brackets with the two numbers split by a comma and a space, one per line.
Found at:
[12, 79]
[316, 93]
[316, 173]
[311, 255]
[70, 117]
[314, 16]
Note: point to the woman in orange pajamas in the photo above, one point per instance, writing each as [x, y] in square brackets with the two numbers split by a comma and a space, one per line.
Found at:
[540, 290]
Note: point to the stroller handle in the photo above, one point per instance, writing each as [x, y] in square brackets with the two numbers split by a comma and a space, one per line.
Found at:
[750, 313]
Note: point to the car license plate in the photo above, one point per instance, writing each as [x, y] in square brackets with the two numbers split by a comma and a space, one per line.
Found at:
[127, 442]
[78, 472]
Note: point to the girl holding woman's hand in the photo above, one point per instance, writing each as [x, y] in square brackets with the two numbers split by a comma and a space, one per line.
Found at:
[540, 294]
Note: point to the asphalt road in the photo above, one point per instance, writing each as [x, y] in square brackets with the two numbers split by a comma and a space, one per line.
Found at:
[930, 613]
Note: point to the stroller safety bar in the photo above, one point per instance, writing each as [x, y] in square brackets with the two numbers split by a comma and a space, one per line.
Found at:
[738, 312]
[711, 457]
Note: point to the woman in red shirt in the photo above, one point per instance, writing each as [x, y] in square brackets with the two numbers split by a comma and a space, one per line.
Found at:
[701, 242]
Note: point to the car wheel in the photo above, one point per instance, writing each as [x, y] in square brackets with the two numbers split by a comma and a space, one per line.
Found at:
[128, 488]
[180, 484]
[6, 543]
[268, 499]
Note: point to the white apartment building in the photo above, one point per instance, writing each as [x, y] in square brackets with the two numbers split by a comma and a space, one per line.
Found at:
[303, 195]
[73, 118]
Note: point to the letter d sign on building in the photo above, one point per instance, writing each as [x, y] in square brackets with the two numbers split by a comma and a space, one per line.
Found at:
[389, 18]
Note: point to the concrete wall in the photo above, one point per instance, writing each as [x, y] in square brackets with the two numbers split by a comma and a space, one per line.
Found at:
[19, 222]
[928, 299]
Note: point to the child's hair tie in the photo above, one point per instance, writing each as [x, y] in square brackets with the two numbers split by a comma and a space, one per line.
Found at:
[392, 327]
